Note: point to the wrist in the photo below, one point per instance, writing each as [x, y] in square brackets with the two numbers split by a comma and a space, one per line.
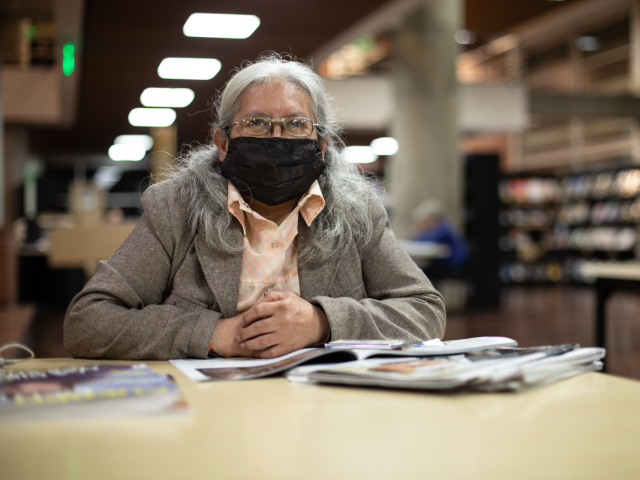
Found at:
[325, 329]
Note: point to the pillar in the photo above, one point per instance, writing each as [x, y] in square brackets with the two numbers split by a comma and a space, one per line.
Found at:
[165, 149]
[428, 163]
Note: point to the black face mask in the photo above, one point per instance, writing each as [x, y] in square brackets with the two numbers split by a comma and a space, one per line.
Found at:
[272, 170]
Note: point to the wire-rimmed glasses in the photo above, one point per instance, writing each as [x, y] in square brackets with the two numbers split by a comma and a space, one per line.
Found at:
[292, 126]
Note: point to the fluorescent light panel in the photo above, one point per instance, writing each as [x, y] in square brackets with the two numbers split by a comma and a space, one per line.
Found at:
[218, 25]
[145, 141]
[167, 97]
[152, 117]
[385, 146]
[360, 154]
[126, 152]
[189, 68]
[107, 177]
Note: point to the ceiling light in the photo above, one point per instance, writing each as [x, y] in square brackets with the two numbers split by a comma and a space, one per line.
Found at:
[385, 146]
[126, 152]
[217, 25]
[166, 97]
[107, 177]
[145, 141]
[465, 37]
[360, 154]
[152, 117]
[189, 68]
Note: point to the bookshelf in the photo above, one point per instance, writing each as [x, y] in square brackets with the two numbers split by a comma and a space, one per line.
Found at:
[551, 224]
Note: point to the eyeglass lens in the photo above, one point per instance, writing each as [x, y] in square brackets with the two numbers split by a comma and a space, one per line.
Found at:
[293, 126]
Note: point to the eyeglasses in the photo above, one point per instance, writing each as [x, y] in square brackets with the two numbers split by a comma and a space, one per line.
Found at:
[292, 126]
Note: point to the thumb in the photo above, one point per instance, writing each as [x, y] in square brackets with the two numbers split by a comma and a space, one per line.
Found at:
[272, 296]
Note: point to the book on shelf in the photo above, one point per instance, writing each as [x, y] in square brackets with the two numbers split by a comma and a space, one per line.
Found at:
[89, 390]
[245, 369]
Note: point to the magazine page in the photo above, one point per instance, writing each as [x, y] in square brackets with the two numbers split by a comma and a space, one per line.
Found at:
[442, 372]
[200, 370]
[92, 390]
[190, 366]
[463, 345]
[244, 369]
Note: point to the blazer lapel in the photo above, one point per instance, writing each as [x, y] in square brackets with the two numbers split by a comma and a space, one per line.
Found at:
[315, 279]
[222, 271]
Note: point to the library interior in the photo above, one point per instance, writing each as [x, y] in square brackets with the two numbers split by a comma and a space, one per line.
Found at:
[501, 141]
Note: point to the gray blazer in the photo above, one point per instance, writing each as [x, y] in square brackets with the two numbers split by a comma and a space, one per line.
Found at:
[163, 291]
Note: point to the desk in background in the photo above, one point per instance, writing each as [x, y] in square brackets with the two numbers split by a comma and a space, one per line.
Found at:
[585, 427]
[423, 252]
[83, 247]
[609, 276]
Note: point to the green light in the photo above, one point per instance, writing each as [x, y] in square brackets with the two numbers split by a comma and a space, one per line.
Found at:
[68, 59]
[30, 31]
[365, 43]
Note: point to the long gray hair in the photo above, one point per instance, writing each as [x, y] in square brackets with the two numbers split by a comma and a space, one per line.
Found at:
[345, 217]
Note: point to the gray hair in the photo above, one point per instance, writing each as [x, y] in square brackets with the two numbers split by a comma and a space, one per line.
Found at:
[429, 206]
[345, 217]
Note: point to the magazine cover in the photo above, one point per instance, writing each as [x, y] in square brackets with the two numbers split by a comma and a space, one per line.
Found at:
[102, 390]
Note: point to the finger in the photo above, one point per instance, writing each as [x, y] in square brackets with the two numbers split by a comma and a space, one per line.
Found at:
[258, 312]
[273, 296]
[275, 351]
[256, 329]
[261, 343]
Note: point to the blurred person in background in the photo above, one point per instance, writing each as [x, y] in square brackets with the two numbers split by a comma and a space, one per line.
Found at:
[430, 225]
[261, 243]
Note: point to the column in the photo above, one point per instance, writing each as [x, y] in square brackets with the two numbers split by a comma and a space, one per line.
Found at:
[428, 163]
[164, 151]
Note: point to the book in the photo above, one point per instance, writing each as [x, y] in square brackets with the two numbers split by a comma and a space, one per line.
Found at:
[246, 369]
[90, 390]
[490, 370]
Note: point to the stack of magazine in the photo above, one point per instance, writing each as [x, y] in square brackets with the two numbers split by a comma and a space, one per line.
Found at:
[478, 364]
[89, 390]
[497, 369]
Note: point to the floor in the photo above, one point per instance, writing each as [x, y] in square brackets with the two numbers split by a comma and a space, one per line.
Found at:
[539, 315]
[547, 315]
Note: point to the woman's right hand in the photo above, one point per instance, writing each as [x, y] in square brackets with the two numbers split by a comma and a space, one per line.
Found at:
[223, 339]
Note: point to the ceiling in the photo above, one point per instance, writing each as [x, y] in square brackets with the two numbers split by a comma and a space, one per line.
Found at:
[125, 40]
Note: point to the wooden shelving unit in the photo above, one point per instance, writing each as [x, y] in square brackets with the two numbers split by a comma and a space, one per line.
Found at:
[600, 57]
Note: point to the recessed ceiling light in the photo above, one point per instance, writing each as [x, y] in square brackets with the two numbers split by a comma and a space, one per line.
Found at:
[166, 97]
[385, 146]
[145, 141]
[107, 177]
[152, 117]
[218, 25]
[465, 37]
[126, 152]
[189, 68]
[360, 154]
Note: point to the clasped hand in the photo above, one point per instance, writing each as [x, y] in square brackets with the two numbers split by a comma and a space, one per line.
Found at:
[279, 324]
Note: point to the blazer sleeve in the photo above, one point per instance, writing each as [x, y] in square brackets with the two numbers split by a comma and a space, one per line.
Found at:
[400, 301]
[119, 313]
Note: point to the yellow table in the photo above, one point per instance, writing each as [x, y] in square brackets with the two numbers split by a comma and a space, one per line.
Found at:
[586, 427]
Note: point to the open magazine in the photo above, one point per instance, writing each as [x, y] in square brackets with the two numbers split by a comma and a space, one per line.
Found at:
[499, 369]
[90, 390]
[245, 369]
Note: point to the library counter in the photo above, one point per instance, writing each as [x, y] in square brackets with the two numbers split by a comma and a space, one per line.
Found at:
[583, 427]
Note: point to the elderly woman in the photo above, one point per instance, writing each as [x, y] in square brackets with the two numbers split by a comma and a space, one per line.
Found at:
[266, 242]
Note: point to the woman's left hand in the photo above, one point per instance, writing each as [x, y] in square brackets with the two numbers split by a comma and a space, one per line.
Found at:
[281, 323]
